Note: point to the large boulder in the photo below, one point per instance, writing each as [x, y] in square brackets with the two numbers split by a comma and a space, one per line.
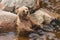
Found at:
[42, 15]
[7, 21]
[0, 0]
[11, 4]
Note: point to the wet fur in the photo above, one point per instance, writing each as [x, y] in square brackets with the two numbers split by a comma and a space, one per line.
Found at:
[25, 23]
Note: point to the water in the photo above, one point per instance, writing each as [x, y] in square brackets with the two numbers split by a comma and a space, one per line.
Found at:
[47, 36]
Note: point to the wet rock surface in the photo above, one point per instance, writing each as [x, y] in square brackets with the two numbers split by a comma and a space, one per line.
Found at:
[32, 36]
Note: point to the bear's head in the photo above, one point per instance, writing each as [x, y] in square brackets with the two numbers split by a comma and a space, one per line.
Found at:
[22, 11]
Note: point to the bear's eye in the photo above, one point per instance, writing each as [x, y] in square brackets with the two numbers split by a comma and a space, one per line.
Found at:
[23, 10]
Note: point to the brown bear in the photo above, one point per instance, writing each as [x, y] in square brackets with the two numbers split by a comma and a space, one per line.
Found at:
[24, 21]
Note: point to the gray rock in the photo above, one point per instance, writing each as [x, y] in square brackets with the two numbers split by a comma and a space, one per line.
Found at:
[42, 15]
[10, 4]
[34, 36]
[7, 21]
[0, 0]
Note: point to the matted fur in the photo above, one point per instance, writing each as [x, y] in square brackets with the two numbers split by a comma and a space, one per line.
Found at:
[24, 21]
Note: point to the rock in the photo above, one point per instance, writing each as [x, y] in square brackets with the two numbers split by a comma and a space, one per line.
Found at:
[11, 4]
[49, 28]
[34, 36]
[7, 21]
[0, 0]
[51, 36]
[41, 16]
